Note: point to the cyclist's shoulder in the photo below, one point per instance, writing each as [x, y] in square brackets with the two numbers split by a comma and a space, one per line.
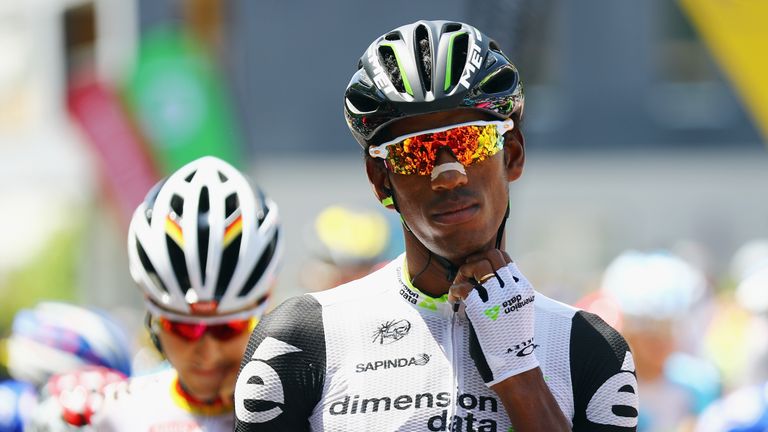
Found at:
[582, 327]
[127, 399]
[553, 309]
[364, 289]
[589, 332]
[140, 389]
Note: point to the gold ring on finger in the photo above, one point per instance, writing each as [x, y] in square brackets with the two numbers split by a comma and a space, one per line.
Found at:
[486, 277]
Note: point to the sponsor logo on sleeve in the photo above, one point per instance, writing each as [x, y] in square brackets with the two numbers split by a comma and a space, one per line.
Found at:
[259, 393]
[615, 402]
[517, 302]
[523, 349]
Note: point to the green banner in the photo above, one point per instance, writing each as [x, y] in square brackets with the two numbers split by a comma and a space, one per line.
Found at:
[180, 102]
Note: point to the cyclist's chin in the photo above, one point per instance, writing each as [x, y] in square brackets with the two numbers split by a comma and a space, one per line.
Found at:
[458, 244]
[206, 384]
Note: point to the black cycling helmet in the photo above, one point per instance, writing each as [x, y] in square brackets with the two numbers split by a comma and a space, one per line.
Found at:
[425, 67]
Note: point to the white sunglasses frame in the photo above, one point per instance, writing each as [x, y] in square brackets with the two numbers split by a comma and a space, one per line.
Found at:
[381, 151]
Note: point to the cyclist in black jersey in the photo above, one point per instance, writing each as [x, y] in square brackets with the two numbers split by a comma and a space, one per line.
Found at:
[450, 335]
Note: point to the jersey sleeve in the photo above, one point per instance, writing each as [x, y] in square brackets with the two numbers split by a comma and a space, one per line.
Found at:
[283, 370]
[603, 374]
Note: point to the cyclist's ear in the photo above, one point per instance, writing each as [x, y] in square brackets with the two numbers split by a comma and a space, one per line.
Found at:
[153, 334]
[514, 153]
[377, 176]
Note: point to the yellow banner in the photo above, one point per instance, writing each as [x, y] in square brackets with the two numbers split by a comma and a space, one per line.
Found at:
[736, 32]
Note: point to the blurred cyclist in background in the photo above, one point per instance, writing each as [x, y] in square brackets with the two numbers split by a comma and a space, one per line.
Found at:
[737, 338]
[204, 249]
[345, 243]
[56, 339]
[17, 402]
[656, 293]
[746, 408]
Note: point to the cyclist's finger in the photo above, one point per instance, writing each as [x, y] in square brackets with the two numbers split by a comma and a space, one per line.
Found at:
[496, 257]
[459, 291]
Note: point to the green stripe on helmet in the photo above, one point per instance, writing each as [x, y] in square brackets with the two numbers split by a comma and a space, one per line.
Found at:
[400, 69]
[449, 60]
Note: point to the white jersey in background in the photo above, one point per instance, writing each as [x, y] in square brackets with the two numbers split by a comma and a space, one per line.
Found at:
[157, 403]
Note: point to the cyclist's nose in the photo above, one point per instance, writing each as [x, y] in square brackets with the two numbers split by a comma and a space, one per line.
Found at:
[207, 347]
[448, 173]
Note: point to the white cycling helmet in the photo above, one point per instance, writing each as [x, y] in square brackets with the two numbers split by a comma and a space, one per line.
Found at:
[58, 337]
[656, 285]
[752, 292]
[205, 245]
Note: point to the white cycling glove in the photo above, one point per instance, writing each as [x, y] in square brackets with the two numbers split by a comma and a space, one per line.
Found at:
[500, 311]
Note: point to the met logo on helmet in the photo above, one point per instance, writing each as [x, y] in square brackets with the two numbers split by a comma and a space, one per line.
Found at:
[474, 60]
[259, 386]
[379, 76]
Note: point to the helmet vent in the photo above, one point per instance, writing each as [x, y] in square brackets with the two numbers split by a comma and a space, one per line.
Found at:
[204, 204]
[227, 267]
[263, 210]
[390, 65]
[424, 54]
[178, 263]
[361, 103]
[458, 57]
[223, 177]
[203, 230]
[451, 27]
[392, 36]
[191, 175]
[503, 80]
[148, 267]
[231, 204]
[489, 61]
[177, 205]
[261, 265]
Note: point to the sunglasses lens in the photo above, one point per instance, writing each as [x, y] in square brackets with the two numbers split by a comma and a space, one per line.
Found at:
[187, 331]
[194, 331]
[469, 144]
[230, 330]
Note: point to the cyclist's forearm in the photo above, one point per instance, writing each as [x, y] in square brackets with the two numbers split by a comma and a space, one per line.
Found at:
[529, 403]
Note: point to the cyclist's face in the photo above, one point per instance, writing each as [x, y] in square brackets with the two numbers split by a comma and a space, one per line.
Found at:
[207, 367]
[453, 214]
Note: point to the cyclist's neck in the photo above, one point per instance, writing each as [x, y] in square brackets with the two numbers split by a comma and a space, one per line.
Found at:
[209, 406]
[430, 273]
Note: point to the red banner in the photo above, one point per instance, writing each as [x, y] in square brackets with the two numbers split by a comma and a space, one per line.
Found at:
[127, 169]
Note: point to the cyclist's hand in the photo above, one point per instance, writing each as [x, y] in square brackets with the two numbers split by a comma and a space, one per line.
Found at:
[499, 305]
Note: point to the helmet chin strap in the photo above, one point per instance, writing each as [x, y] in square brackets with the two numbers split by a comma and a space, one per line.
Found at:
[451, 269]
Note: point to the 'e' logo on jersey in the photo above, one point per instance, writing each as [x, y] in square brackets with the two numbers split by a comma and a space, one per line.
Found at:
[259, 391]
[615, 402]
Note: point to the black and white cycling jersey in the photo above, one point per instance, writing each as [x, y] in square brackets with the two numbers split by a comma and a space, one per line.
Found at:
[378, 354]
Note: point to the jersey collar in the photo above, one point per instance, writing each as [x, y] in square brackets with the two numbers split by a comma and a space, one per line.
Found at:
[191, 404]
[418, 298]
